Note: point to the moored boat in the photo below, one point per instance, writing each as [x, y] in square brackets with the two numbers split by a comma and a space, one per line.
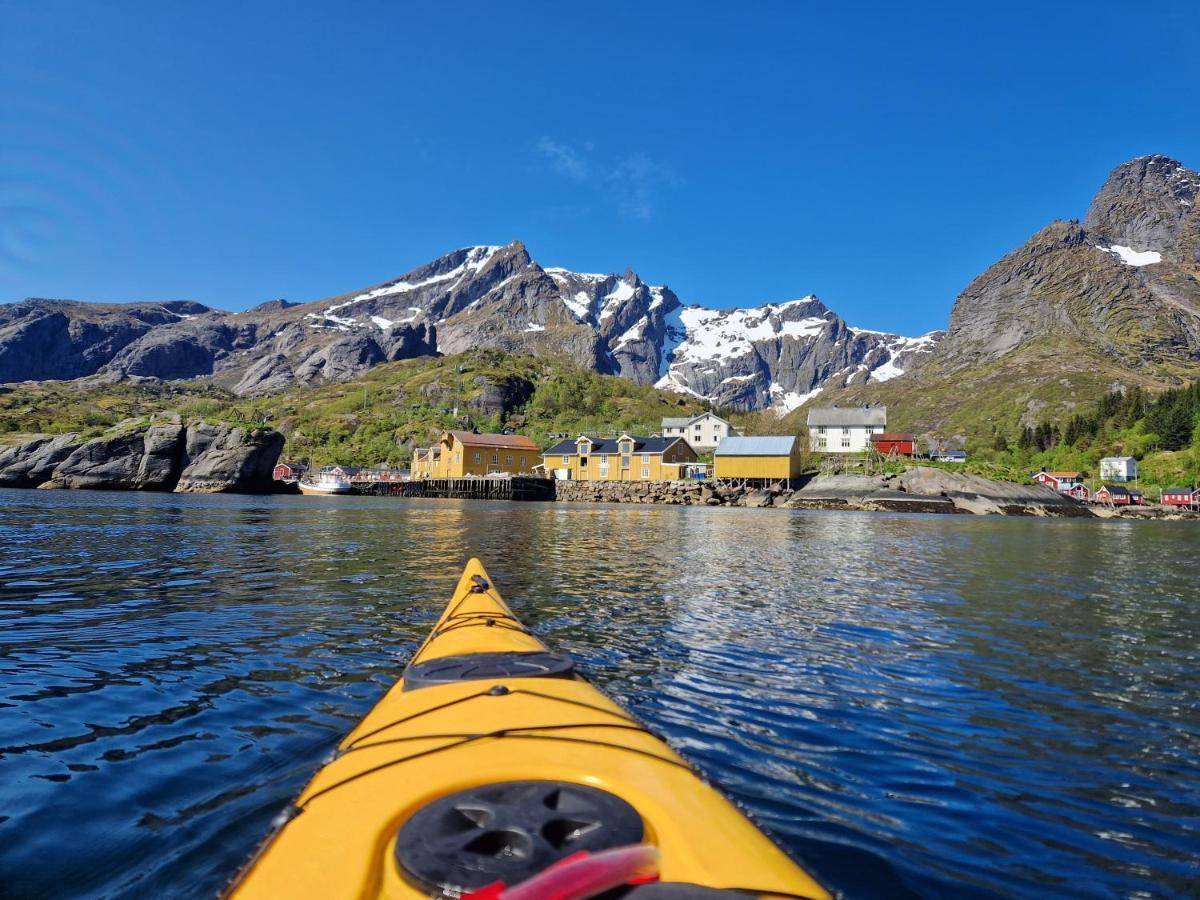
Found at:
[325, 484]
[492, 769]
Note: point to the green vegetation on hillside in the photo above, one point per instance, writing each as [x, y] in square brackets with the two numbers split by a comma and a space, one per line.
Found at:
[1162, 433]
[374, 419]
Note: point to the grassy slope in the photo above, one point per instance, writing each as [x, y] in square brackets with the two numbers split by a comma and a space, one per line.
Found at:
[374, 419]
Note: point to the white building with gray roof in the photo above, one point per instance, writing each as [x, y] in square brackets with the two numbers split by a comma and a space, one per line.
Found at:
[845, 429]
[703, 432]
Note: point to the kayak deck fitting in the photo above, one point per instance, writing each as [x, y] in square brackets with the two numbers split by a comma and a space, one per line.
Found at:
[492, 764]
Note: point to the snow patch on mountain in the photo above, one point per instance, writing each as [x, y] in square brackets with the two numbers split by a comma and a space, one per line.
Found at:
[1133, 257]
[477, 258]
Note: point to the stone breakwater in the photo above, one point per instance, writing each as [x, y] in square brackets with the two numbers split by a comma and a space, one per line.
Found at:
[171, 456]
[916, 490]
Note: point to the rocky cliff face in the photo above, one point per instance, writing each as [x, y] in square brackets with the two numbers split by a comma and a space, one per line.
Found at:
[1126, 283]
[477, 297]
[1077, 310]
[779, 355]
[163, 457]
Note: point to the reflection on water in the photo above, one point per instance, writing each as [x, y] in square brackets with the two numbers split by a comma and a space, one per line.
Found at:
[911, 705]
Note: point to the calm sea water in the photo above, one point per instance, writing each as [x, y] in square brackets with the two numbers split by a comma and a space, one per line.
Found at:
[931, 706]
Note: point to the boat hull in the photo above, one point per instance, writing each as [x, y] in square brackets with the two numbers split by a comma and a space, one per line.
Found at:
[317, 490]
[428, 739]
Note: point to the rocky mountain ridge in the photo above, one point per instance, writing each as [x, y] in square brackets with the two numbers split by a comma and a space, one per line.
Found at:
[1079, 309]
[476, 297]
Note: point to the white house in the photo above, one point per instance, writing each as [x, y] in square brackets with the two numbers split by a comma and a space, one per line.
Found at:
[1118, 468]
[703, 432]
[845, 429]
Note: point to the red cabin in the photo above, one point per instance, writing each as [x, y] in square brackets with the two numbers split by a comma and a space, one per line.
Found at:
[287, 472]
[1079, 492]
[1118, 496]
[1063, 482]
[1181, 496]
[895, 442]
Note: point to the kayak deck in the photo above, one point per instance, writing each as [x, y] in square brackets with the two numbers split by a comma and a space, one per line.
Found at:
[433, 735]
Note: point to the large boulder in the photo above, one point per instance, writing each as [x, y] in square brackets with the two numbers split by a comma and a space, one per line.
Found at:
[224, 458]
[136, 460]
[31, 463]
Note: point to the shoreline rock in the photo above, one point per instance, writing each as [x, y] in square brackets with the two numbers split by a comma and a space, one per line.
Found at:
[196, 458]
[918, 489]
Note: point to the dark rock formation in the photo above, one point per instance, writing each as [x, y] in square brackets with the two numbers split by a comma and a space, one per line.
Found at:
[222, 459]
[33, 462]
[141, 459]
[163, 457]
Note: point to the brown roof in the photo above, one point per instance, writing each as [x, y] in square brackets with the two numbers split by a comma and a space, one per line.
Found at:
[893, 436]
[1058, 476]
[504, 441]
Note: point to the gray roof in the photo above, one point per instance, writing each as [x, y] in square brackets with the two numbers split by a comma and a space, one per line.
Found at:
[756, 446]
[683, 422]
[848, 415]
[1118, 459]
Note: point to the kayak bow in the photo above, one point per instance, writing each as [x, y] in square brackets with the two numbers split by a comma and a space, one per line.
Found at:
[490, 765]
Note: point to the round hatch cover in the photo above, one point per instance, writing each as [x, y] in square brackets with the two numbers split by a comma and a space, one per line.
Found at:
[509, 832]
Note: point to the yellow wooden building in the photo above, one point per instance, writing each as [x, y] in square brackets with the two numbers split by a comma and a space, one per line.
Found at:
[759, 458]
[460, 454]
[627, 458]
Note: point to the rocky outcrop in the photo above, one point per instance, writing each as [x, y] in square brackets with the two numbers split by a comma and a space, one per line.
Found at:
[918, 489]
[141, 459]
[222, 459]
[162, 457]
[1149, 204]
[30, 463]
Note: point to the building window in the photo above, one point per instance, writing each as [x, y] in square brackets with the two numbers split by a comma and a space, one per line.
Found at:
[584, 448]
[645, 459]
[495, 459]
[645, 472]
[522, 462]
[846, 442]
[603, 459]
[625, 461]
[478, 459]
[566, 460]
[821, 429]
[508, 461]
[845, 431]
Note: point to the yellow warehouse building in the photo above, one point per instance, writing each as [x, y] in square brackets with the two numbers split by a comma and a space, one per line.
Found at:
[765, 458]
[461, 454]
[627, 458]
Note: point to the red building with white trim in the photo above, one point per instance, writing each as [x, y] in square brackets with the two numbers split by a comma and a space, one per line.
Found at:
[1181, 496]
[1063, 482]
[1118, 496]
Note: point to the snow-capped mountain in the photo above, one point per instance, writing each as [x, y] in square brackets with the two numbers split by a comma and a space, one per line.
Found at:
[778, 355]
[774, 355]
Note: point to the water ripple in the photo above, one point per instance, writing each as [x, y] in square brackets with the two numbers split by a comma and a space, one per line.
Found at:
[913, 706]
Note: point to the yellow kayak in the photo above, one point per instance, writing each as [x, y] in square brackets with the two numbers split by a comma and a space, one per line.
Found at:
[493, 770]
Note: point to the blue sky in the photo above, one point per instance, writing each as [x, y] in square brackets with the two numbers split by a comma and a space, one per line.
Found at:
[879, 156]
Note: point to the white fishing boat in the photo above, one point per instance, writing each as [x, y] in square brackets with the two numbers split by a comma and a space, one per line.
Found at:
[325, 484]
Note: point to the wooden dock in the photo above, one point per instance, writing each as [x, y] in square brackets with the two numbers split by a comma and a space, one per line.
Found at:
[517, 487]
